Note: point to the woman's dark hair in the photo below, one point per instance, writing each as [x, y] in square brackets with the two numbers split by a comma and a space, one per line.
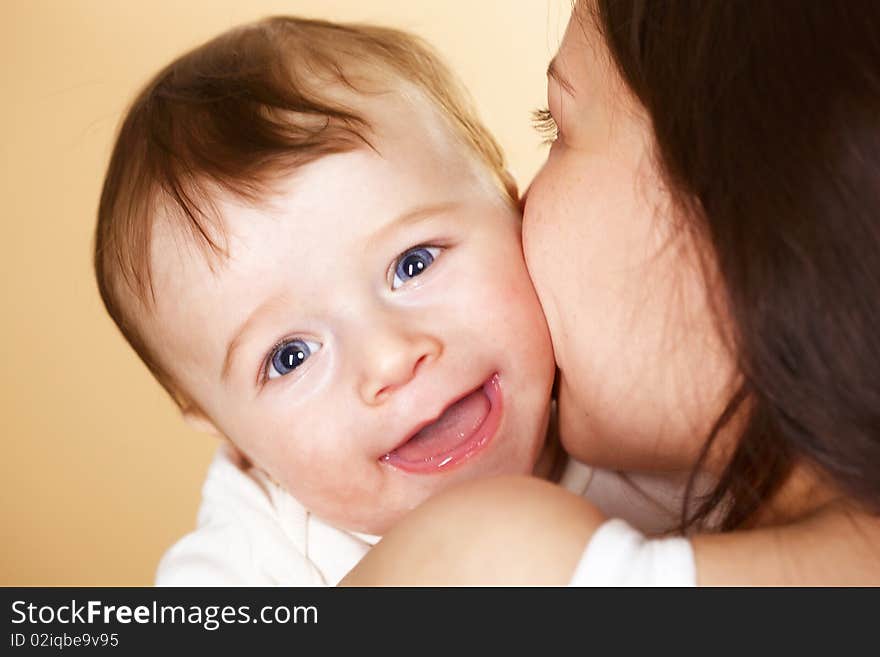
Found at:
[767, 123]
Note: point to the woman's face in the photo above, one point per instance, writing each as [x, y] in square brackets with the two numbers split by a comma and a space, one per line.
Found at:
[642, 371]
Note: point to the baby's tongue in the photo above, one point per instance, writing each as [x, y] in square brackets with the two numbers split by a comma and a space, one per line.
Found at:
[451, 429]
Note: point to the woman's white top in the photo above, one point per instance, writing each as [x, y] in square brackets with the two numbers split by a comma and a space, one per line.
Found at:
[620, 555]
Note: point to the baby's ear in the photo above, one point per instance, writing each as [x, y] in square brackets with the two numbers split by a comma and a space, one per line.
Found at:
[196, 418]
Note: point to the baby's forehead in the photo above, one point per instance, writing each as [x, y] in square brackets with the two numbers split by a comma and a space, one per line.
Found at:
[412, 158]
[405, 116]
[406, 129]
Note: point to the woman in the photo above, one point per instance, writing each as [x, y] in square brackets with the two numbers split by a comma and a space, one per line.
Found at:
[704, 241]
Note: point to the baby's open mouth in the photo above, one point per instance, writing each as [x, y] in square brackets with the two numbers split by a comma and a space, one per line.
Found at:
[462, 430]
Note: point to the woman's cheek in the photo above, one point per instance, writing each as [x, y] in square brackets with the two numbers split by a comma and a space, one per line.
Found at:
[555, 264]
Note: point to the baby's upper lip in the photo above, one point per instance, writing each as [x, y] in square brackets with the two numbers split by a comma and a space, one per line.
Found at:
[436, 416]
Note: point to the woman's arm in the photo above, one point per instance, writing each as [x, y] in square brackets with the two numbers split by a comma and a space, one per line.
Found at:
[523, 531]
[835, 546]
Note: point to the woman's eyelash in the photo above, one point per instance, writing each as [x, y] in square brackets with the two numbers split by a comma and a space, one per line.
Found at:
[545, 124]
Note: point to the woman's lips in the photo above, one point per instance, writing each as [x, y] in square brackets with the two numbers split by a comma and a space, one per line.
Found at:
[464, 429]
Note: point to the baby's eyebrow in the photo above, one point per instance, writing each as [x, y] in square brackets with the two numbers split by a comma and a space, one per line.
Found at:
[414, 215]
[236, 341]
[553, 72]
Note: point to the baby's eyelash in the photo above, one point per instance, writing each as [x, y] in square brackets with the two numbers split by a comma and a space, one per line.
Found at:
[545, 124]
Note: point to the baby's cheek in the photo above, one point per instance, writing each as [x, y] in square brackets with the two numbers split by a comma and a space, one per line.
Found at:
[515, 315]
[283, 444]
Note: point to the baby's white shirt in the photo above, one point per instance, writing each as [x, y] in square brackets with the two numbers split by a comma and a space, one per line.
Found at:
[250, 532]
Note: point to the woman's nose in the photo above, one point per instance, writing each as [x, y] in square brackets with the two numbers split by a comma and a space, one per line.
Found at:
[392, 357]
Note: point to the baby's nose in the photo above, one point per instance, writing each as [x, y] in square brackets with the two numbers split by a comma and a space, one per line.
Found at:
[393, 360]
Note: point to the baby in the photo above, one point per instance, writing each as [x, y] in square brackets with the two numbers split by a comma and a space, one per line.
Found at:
[313, 244]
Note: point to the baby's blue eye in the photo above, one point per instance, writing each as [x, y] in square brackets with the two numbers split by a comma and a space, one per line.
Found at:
[289, 355]
[412, 263]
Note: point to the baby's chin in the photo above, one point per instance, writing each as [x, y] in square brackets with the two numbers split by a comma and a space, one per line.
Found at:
[369, 521]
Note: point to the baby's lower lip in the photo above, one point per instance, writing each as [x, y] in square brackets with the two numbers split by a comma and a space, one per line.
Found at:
[463, 431]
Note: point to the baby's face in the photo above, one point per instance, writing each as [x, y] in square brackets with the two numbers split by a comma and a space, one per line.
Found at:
[373, 336]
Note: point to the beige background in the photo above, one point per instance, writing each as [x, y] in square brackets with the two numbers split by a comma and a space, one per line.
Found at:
[99, 474]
